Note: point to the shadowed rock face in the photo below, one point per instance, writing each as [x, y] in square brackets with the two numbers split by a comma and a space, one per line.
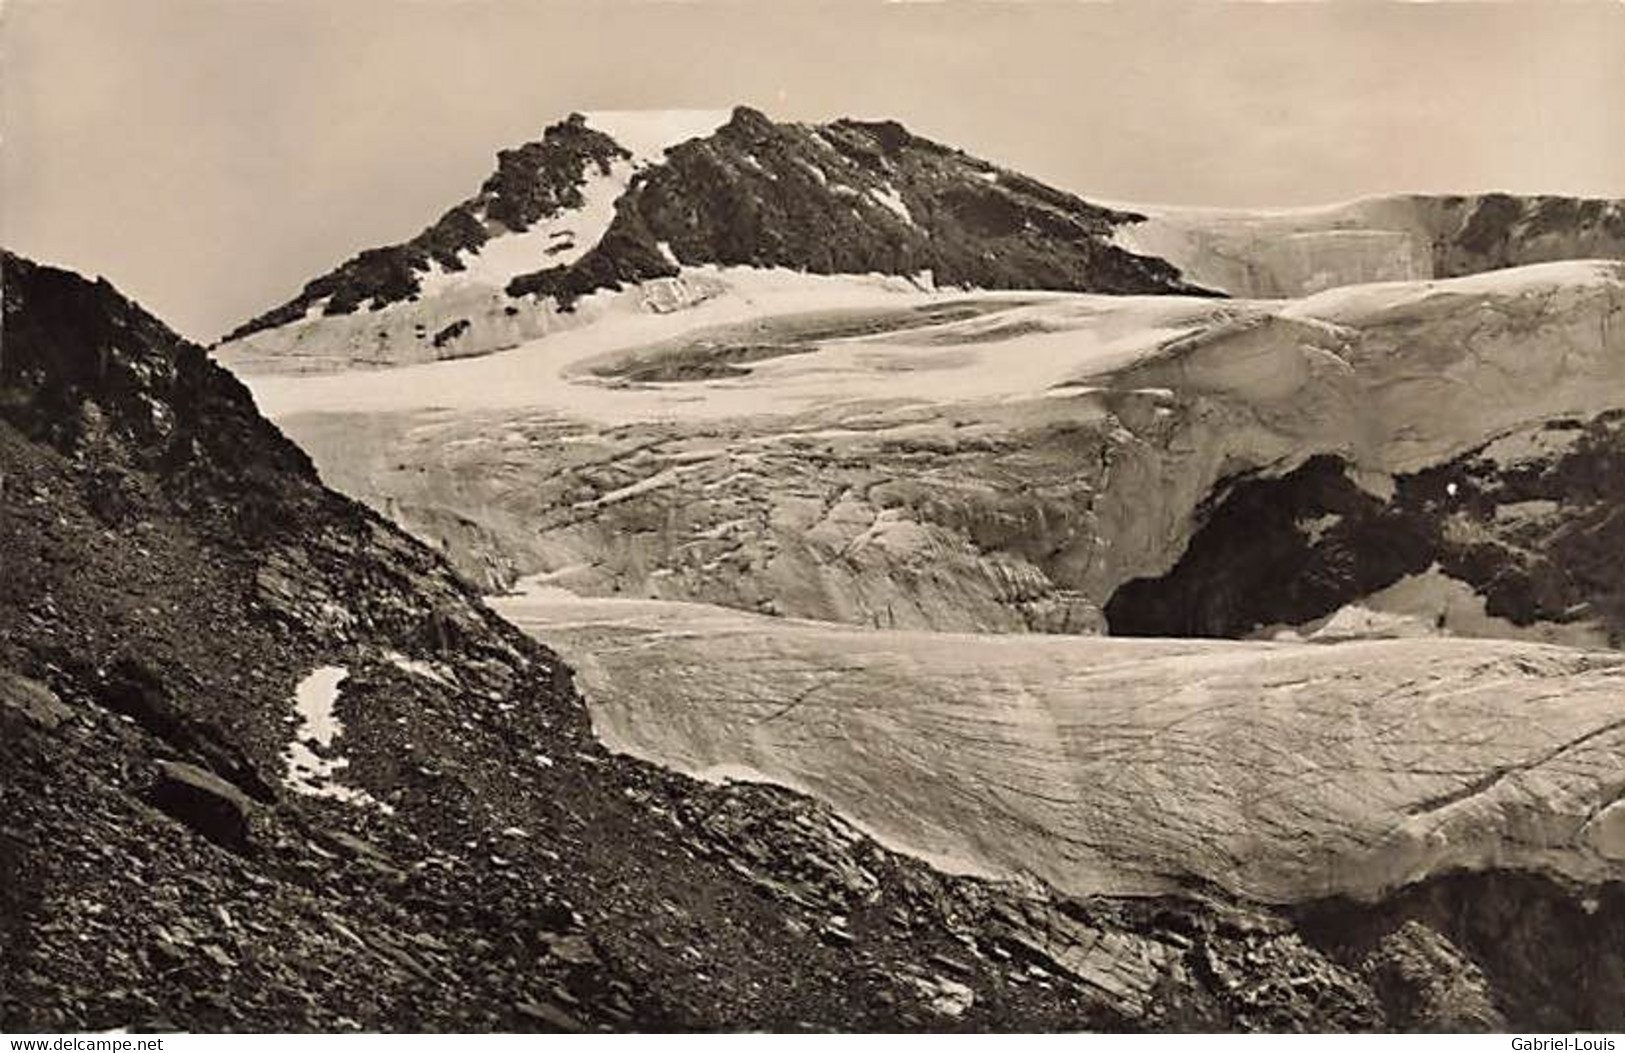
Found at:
[1531, 523]
[1262, 558]
[1491, 920]
[1490, 231]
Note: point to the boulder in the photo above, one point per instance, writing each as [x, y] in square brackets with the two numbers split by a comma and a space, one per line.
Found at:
[200, 799]
[36, 703]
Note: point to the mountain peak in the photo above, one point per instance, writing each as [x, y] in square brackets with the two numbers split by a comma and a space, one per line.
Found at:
[746, 120]
[611, 199]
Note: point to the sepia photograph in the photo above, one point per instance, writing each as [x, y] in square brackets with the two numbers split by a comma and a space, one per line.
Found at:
[632, 517]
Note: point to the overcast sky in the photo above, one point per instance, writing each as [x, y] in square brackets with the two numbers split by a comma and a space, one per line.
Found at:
[210, 156]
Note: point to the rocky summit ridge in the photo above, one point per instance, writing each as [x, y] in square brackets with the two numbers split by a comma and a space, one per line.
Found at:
[578, 211]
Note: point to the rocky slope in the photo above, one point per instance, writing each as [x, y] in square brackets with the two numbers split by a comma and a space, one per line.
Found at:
[635, 202]
[1296, 252]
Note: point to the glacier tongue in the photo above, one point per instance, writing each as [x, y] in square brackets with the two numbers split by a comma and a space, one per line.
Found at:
[1279, 772]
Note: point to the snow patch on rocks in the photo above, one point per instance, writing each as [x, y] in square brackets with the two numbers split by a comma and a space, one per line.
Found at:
[891, 199]
[313, 764]
[558, 240]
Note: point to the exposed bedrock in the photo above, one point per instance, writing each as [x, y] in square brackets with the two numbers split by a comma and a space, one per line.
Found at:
[1525, 530]
[1484, 951]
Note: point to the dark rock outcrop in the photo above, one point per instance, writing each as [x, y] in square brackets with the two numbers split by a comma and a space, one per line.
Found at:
[1492, 231]
[1531, 522]
[1427, 983]
[205, 802]
[1253, 563]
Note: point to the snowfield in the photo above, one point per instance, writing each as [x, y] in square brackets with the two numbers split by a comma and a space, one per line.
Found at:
[547, 373]
[1335, 346]
[314, 763]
